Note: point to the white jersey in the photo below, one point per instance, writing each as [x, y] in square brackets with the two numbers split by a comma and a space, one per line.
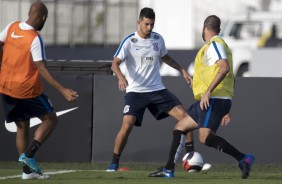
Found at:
[37, 47]
[141, 58]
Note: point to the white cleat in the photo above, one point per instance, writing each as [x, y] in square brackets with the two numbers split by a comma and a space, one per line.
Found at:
[206, 167]
[34, 176]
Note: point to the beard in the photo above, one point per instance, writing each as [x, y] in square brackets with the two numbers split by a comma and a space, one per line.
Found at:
[40, 27]
[203, 36]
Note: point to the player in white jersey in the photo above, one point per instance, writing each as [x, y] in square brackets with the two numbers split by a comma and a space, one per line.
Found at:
[141, 52]
[142, 58]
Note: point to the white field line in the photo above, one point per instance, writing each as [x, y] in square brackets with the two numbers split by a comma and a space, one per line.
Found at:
[49, 173]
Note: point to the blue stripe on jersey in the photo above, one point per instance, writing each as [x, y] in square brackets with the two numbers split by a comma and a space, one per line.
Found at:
[120, 46]
[209, 113]
[42, 48]
[216, 49]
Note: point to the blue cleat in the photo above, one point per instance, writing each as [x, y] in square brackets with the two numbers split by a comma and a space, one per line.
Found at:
[30, 162]
[162, 172]
[112, 168]
[246, 164]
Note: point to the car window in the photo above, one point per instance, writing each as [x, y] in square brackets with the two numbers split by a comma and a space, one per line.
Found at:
[235, 30]
[245, 30]
[250, 30]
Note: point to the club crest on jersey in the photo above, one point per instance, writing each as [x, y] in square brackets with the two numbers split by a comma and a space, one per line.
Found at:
[134, 40]
[155, 46]
[156, 37]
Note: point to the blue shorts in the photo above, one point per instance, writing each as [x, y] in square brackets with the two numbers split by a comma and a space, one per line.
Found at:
[16, 109]
[210, 118]
[158, 103]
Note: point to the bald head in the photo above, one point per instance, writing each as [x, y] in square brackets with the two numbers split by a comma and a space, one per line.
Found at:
[37, 15]
[38, 9]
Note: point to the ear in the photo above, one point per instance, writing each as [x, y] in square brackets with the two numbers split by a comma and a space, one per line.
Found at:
[44, 17]
[204, 28]
[138, 21]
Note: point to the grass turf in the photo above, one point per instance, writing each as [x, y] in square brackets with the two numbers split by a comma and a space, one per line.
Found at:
[86, 173]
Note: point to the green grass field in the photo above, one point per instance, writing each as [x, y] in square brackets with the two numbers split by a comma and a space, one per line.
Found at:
[86, 173]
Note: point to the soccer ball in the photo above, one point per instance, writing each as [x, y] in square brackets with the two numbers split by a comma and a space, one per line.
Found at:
[192, 162]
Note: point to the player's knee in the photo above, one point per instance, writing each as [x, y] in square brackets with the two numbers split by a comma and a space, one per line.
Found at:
[51, 119]
[22, 125]
[181, 112]
[178, 112]
[127, 126]
[128, 122]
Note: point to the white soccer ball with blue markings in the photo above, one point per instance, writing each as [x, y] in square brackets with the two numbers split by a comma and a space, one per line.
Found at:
[192, 162]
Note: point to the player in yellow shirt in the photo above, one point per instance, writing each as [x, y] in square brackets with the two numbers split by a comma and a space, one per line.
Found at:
[213, 87]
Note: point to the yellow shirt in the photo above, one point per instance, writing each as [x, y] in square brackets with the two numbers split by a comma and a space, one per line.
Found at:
[205, 74]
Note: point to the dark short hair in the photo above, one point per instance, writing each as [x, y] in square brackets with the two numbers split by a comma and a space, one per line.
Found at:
[147, 13]
[212, 23]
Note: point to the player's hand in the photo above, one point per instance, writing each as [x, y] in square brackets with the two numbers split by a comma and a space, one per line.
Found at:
[122, 84]
[225, 120]
[205, 101]
[69, 94]
[187, 77]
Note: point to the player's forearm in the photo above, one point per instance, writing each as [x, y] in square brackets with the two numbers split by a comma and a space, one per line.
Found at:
[115, 68]
[51, 80]
[222, 72]
[172, 63]
[217, 80]
[44, 72]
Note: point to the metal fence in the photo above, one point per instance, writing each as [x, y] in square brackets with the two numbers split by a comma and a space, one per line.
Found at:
[78, 22]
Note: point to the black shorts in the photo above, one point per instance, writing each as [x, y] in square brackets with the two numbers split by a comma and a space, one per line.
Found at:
[158, 103]
[23, 109]
[211, 117]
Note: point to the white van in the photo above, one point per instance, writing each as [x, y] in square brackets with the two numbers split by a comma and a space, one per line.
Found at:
[242, 32]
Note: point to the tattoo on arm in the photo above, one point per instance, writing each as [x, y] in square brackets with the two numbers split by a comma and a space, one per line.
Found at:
[171, 62]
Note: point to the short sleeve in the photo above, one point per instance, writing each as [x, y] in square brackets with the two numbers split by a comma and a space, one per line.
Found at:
[121, 53]
[38, 49]
[3, 34]
[163, 50]
[215, 52]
